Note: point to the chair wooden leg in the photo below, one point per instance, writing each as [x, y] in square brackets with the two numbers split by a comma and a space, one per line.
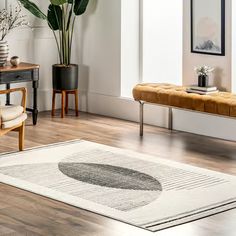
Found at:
[21, 137]
[63, 93]
[76, 103]
[53, 102]
[67, 102]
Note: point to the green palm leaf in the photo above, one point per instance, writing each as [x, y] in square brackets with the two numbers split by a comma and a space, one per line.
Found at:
[33, 8]
[80, 6]
[54, 17]
[58, 2]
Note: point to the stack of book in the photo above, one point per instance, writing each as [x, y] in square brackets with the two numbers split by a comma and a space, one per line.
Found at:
[202, 90]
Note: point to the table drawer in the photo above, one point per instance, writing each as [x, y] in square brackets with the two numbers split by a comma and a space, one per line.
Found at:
[15, 77]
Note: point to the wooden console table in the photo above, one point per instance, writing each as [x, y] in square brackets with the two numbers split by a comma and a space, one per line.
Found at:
[24, 72]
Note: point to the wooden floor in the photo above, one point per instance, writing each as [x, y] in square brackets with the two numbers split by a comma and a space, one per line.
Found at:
[23, 213]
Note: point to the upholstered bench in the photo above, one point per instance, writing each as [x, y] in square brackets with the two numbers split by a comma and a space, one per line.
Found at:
[172, 96]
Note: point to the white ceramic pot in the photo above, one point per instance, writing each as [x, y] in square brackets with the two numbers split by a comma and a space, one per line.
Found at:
[4, 52]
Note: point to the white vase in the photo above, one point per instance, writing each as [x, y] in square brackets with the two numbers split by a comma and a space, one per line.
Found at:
[4, 52]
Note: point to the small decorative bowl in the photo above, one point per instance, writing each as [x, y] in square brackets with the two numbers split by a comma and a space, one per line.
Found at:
[15, 61]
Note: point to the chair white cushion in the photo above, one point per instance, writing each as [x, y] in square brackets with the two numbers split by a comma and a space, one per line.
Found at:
[8, 113]
[12, 123]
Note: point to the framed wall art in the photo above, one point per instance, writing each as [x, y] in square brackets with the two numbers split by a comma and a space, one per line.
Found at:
[208, 27]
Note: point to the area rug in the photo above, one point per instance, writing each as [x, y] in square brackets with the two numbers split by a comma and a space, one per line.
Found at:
[142, 190]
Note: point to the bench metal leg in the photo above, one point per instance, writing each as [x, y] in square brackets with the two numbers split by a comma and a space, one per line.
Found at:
[141, 115]
[141, 104]
[170, 120]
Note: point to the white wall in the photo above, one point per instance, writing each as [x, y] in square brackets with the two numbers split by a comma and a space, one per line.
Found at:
[100, 46]
[130, 43]
[97, 49]
[222, 77]
[162, 41]
[233, 45]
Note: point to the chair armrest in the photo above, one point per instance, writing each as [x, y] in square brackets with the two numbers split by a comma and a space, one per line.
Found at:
[23, 90]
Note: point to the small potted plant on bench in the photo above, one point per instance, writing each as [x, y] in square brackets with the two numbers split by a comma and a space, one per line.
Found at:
[203, 75]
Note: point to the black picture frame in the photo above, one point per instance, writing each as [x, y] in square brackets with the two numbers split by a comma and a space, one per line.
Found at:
[208, 46]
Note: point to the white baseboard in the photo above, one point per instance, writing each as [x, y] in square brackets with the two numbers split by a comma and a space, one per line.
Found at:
[127, 109]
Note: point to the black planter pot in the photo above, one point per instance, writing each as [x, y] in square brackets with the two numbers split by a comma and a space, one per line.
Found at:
[65, 77]
[203, 80]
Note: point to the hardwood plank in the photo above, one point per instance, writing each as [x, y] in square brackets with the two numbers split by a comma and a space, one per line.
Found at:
[6, 231]
[24, 213]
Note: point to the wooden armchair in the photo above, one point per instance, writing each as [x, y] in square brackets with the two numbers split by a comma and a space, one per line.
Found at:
[12, 118]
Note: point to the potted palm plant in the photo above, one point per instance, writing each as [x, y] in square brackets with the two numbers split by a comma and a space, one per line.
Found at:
[61, 18]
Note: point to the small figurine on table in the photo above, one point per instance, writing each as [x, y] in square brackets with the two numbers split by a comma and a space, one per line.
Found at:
[15, 61]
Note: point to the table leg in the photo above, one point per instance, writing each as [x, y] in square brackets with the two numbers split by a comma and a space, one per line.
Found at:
[35, 102]
[8, 99]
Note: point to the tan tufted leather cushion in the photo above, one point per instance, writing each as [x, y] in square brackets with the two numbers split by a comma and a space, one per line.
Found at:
[222, 103]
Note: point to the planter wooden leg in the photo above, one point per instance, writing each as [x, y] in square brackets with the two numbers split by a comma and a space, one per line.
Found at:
[63, 93]
[76, 103]
[67, 102]
[53, 102]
